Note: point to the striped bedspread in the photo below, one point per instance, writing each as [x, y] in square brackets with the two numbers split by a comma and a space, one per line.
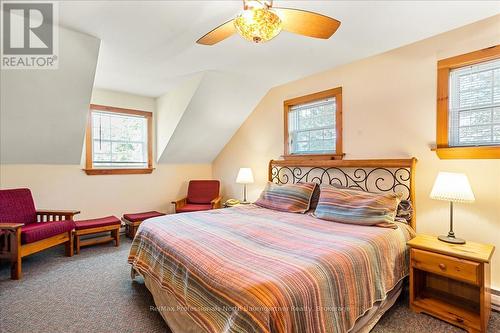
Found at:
[250, 269]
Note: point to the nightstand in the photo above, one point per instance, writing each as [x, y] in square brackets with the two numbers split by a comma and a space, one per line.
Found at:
[451, 282]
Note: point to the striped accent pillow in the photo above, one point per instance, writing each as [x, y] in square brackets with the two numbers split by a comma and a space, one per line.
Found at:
[293, 198]
[357, 207]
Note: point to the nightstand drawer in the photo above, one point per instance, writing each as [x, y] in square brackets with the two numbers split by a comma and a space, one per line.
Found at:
[460, 269]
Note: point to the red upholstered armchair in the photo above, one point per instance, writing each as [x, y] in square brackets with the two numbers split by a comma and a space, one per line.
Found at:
[202, 195]
[25, 230]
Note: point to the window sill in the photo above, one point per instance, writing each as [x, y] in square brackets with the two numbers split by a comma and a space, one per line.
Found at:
[93, 172]
[313, 157]
[480, 152]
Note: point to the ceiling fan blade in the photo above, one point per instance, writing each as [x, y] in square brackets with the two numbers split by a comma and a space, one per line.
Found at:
[218, 34]
[307, 23]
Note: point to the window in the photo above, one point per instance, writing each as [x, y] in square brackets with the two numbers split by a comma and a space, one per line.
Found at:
[468, 106]
[118, 141]
[474, 114]
[313, 125]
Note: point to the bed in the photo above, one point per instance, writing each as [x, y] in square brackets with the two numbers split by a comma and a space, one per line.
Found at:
[251, 269]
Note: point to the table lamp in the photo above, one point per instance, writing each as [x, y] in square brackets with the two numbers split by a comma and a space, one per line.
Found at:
[245, 176]
[452, 187]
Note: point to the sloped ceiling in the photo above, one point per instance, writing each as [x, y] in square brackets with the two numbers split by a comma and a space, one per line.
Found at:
[43, 112]
[148, 48]
[170, 108]
[212, 116]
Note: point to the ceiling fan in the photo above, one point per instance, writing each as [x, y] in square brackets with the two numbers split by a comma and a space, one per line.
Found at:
[260, 21]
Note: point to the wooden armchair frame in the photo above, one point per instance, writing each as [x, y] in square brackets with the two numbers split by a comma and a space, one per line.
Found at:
[10, 239]
[216, 203]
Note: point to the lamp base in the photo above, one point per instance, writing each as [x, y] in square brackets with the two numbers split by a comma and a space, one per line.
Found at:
[245, 202]
[452, 240]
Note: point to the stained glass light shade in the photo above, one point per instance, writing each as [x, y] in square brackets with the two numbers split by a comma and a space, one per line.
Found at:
[258, 25]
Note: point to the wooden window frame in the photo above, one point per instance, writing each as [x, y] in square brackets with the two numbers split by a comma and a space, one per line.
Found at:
[335, 92]
[89, 167]
[444, 66]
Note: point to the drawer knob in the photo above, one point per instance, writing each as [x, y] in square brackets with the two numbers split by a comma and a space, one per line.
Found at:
[442, 267]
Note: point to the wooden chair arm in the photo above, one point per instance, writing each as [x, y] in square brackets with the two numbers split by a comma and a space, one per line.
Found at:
[179, 203]
[10, 246]
[10, 226]
[216, 203]
[55, 215]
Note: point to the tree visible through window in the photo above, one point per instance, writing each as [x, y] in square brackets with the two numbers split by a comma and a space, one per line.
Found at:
[311, 127]
[468, 105]
[118, 139]
[475, 105]
[313, 124]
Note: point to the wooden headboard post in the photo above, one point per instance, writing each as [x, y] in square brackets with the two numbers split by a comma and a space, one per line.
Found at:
[360, 174]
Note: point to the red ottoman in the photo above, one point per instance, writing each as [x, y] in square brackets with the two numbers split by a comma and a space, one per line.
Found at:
[95, 226]
[132, 221]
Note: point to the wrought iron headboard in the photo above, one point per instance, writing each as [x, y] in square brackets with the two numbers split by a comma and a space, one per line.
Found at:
[386, 175]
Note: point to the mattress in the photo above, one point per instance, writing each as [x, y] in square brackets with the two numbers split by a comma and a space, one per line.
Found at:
[250, 269]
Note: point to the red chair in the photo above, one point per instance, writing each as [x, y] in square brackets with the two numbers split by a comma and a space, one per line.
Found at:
[25, 230]
[202, 195]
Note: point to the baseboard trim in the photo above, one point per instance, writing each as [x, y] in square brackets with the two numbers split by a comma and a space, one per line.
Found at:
[495, 300]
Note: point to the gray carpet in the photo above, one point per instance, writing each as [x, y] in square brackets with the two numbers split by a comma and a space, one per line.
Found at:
[92, 292]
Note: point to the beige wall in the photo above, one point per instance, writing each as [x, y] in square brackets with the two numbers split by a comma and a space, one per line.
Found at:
[68, 187]
[389, 104]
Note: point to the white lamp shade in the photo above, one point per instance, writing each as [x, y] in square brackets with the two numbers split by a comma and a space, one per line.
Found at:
[245, 176]
[452, 186]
